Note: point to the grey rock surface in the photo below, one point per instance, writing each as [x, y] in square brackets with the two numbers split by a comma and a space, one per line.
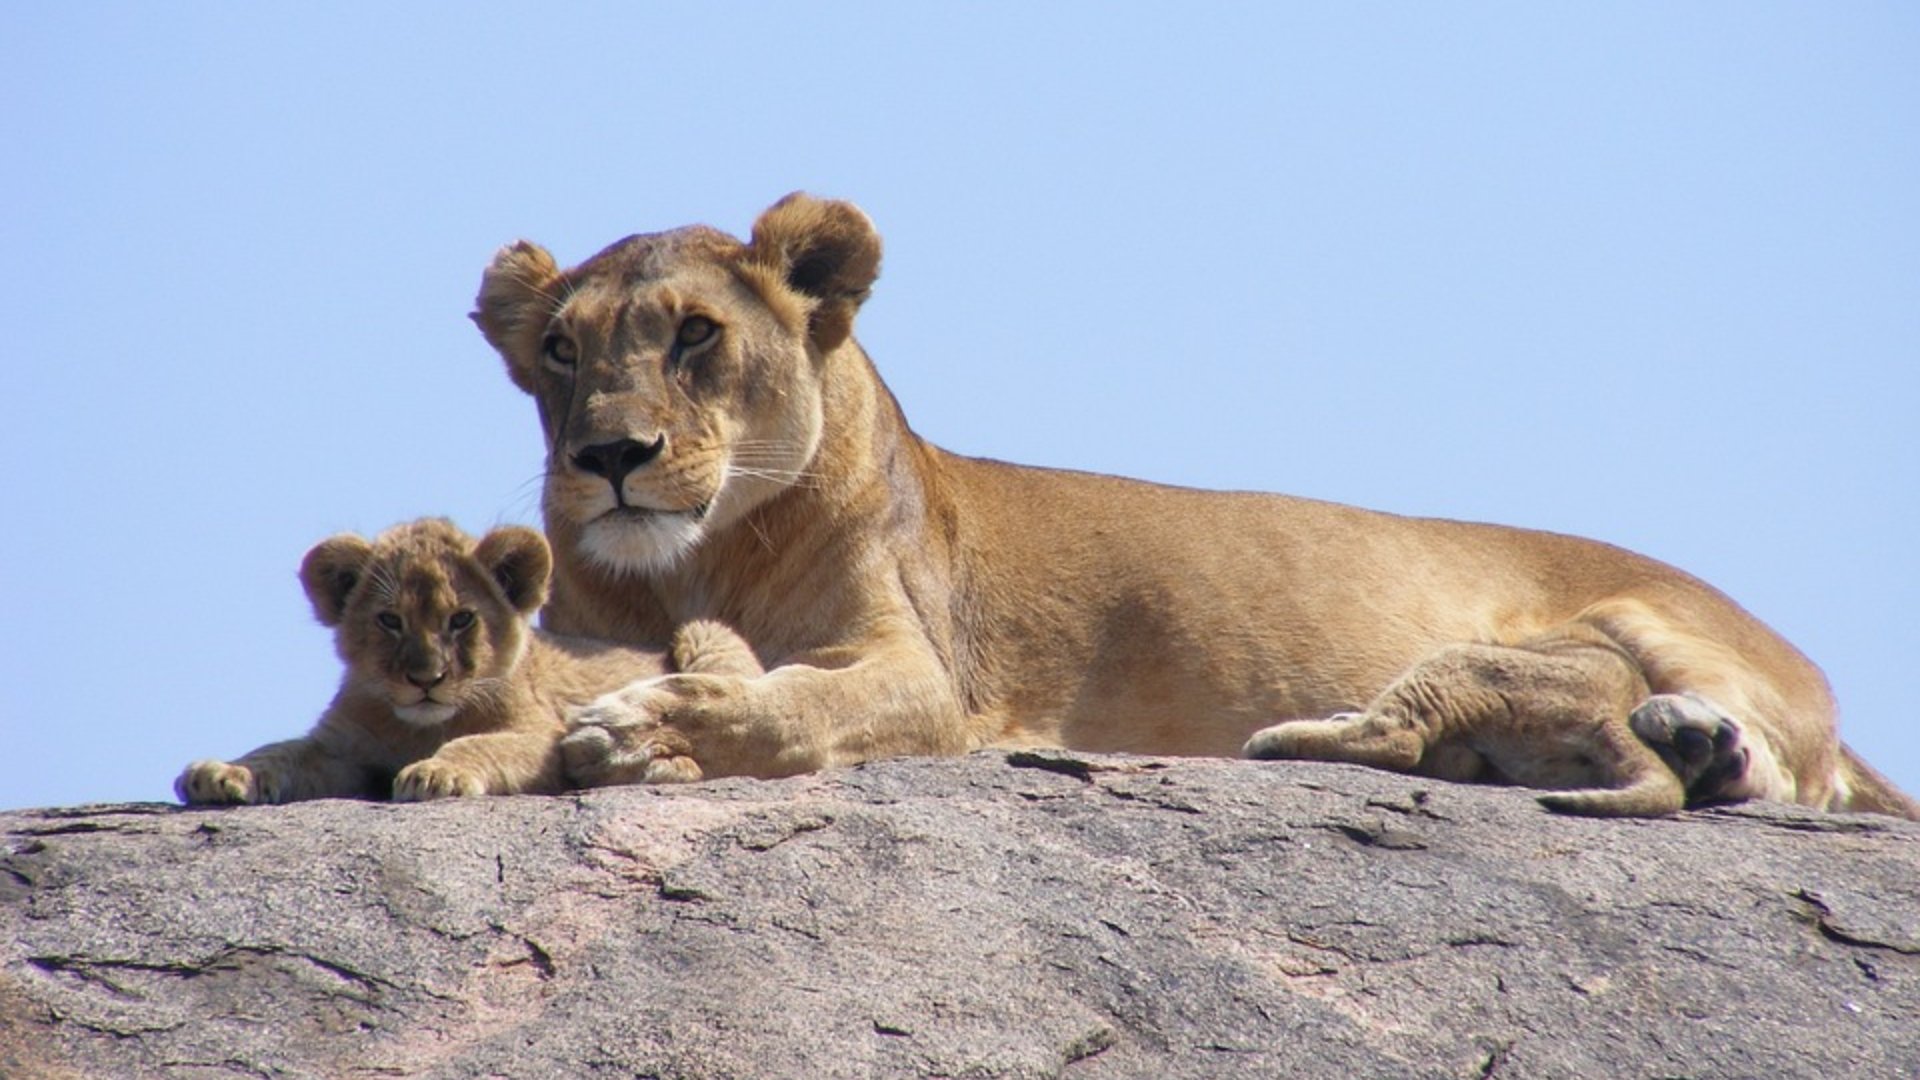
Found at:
[1022, 915]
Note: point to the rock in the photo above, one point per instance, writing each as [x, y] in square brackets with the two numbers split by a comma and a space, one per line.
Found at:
[1032, 914]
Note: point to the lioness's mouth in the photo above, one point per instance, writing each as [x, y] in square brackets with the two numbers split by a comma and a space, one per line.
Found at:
[651, 513]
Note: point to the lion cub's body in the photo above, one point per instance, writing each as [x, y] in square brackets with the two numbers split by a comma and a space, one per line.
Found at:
[448, 690]
[720, 447]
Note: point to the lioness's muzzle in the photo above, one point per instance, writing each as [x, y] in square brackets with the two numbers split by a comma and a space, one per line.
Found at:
[614, 460]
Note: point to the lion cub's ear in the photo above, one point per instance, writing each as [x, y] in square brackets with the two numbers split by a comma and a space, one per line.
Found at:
[520, 562]
[516, 300]
[824, 250]
[329, 573]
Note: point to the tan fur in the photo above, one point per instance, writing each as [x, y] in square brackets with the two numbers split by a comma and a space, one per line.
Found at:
[456, 694]
[913, 601]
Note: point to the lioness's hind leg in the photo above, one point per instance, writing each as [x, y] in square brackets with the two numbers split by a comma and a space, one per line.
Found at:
[1549, 714]
[1655, 794]
[1357, 738]
[1640, 783]
[1698, 741]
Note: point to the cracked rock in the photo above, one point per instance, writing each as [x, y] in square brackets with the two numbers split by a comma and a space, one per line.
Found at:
[1034, 914]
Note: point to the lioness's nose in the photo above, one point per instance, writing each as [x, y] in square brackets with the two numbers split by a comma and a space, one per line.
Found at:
[615, 460]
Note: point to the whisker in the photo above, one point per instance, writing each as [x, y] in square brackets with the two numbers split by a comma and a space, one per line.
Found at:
[381, 580]
[787, 479]
[760, 534]
[525, 495]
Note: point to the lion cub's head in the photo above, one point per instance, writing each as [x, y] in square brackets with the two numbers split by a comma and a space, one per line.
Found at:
[679, 374]
[424, 617]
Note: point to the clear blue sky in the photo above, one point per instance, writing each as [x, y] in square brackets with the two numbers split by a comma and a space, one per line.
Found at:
[1645, 272]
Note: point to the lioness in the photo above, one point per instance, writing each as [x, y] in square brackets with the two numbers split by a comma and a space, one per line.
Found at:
[720, 447]
[448, 691]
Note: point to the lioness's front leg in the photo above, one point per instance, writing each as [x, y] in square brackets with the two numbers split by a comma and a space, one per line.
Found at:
[797, 718]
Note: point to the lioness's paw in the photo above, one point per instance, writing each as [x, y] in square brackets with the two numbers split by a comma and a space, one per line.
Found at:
[1703, 745]
[710, 648]
[639, 705]
[639, 735]
[433, 778]
[618, 739]
[600, 756]
[216, 783]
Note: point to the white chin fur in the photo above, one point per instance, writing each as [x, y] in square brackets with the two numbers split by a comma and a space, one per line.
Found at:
[425, 713]
[646, 545]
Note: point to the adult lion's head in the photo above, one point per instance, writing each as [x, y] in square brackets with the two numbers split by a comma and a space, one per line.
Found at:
[678, 373]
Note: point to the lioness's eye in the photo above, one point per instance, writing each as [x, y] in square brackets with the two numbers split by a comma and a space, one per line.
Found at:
[695, 330]
[460, 620]
[559, 351]
[388, 621]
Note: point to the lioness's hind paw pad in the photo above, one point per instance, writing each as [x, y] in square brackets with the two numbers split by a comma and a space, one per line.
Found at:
[1697, 739]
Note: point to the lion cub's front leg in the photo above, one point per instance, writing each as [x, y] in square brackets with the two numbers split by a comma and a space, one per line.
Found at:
[606, 747]
[279, 772]
[496, 763]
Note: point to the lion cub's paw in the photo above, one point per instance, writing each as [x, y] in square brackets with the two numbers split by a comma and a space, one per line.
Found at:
[1703, 745]
[216, 783]
[434, 778]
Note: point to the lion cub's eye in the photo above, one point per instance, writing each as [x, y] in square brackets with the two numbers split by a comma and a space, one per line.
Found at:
[695, 330]
[559, 351]
[389, 621]
[460, 620]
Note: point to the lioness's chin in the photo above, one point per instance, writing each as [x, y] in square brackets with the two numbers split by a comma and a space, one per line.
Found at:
[650, 543]
[426, 713]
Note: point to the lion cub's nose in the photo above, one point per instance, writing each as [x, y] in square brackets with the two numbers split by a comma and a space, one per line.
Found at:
[427, 680]
[614, 460]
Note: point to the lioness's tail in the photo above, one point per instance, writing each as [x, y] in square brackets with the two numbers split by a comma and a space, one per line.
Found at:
[1862, 788]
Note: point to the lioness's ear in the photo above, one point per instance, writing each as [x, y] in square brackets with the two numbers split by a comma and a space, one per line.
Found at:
[516, 300]
[520, 562]
[827, 251]
[329, 573]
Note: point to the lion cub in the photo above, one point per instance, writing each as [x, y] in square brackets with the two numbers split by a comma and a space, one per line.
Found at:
[448, 689]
